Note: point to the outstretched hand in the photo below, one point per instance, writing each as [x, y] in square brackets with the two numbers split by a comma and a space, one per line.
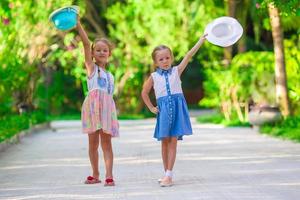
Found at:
[203, 37]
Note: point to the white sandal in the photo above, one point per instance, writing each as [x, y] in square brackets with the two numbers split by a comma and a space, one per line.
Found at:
[166, 184]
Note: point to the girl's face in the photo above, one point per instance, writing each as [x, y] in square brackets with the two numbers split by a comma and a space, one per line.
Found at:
[101, 52]
[163, 58]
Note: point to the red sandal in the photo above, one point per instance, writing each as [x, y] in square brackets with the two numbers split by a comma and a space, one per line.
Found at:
[109, 182]
[91, 180]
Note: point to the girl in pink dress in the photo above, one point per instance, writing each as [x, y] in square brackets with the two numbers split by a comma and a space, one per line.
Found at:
[99, 116]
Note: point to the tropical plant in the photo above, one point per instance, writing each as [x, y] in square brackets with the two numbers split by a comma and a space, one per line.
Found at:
[139, 26]
[244, 81]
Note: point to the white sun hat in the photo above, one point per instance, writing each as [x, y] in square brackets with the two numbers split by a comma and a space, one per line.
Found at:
[224, 31]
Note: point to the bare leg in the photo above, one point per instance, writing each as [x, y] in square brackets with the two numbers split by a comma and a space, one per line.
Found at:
[172, 149]
[93, 153]
[164, 152]
[107, 153]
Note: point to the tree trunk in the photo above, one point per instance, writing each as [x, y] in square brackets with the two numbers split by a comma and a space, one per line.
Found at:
[280, 72]
[231, 13]
[94, 19]
[242, 13]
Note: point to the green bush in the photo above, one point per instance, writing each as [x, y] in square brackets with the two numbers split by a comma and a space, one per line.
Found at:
[37, 117]
[14, 124]
[218, 118]
[288, 128]
[251, 77]
[11, 125]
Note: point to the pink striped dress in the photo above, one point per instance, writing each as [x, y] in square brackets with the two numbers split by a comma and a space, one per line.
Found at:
[98, 109]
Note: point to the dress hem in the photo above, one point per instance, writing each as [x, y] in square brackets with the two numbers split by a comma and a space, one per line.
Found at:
[180, 137]
[104, 131]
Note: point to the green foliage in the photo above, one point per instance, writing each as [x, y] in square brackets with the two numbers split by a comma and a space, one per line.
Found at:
[12, 124]
[218, 118]
[66, 116]
[288, 10]
[251, 74]
[31, 51]
[287, 7]
[259, 13]
[43, 67]
[135, 116]
[292, 53]
[193, 76]
[146, 24]
[37, 117]
[61, 95]
[289, 129]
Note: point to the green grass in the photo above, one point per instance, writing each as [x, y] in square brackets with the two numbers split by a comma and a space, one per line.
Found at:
[143, 115]
[122, 116]
[197, 107]
[13, 124]
[286, 129]
[72, 116]
[77, 116]
[218, 118]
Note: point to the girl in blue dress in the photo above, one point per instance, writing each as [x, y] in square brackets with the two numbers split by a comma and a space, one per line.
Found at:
[173, 120]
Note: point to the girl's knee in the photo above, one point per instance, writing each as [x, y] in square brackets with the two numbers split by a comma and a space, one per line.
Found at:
[93, 146]
[165, 140]
[105, 139]
[173, 142]
[106, 146]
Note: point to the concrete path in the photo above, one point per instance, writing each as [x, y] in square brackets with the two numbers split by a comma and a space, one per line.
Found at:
[215, 163]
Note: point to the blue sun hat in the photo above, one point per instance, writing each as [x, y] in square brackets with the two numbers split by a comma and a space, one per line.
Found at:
[65, 18]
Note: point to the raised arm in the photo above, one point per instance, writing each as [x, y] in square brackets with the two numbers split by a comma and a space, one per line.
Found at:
[190, 54]
[88, 61]
[145, 95]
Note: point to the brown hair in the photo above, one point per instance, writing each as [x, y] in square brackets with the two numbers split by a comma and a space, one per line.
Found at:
[161, 47]
[105, 41]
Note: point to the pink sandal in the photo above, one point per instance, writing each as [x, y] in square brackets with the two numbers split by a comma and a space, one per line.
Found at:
[91, 180]
[109, 182]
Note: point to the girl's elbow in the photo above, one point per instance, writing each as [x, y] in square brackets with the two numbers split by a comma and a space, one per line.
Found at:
[144, 94]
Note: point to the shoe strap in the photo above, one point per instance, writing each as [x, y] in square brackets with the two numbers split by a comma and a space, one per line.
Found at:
[109, 180]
